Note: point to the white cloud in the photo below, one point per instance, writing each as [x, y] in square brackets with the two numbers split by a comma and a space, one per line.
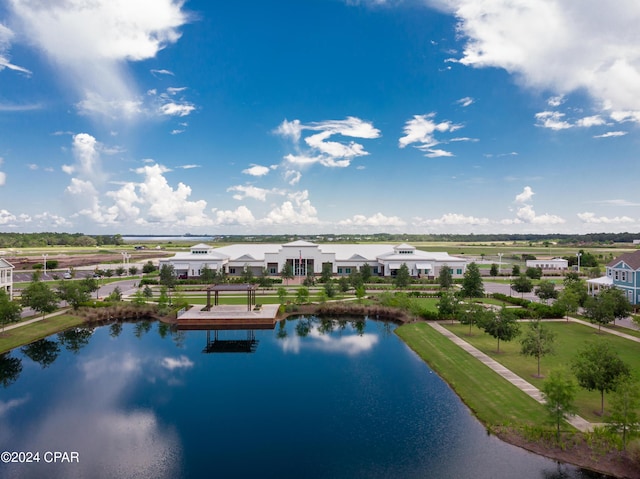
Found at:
[89, 44]
[455, 219]
[256, 170]
[377, 219]
[525, 196]
[588, 217]
[181, 362]
[332, 154]
[250, 191]
[589, 121]
[177, 109]
[421, 130]
[6, 36]
[556, 45]
[466, 101]
[611, 134]
[527, 214]
[240, 216]
[3, 178]
[292, 177]
[6, 217]
[553, 120]
[297, 210]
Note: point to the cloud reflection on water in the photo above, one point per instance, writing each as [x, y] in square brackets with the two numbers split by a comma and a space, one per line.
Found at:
[349, 344]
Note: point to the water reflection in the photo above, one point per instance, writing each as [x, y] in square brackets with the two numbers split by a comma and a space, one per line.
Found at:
[315, 334]
[343, 399]
[10, 369]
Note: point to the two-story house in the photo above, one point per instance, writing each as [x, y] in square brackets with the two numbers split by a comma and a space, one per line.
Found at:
[6, 276]
[623, 273]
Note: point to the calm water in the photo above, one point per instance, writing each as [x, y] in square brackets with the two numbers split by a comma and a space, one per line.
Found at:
[314, 400]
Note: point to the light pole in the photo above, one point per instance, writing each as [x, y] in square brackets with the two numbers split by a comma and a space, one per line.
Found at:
[578, 255]
[500, 263]
[44, 257]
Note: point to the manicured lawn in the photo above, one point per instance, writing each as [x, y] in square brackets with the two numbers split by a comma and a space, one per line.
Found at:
[32, 332]
[493, 399]
[569, 338]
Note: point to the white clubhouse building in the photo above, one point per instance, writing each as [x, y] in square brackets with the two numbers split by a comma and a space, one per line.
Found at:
[308, 258]
[6, 277]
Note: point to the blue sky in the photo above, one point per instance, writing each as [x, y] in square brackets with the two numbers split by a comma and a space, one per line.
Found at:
[319, 116]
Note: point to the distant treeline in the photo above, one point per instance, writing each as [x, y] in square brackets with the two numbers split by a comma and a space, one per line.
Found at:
[568, 239]
[27, 240]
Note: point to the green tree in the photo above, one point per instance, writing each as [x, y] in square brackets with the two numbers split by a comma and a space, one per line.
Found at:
[207, 275]
[403, 278]
[522, 284]
[116, 294]
[533, 273]
[74, 293]
[623, 411]
[133, 270]
[148, 267]
[327, 272]
[447, 306]
[607, 306]
[568, 301]
[472, 286]
[445, 279]
[572, 282]
[361, 292]
[502, 326]
[474, 314]
[147, 292]
[599, 368]
[559, 392]
[355, 279]
[120, 270]
[168, 276]
[287, 272]
[365, 272]
[343, 284]
[282, 295]
[9, 310]
[494, 270]
[537, 341]
[40, 297]
[302, 295]
[546, 290]
[247, 274]
[515, 270]
[330, 289]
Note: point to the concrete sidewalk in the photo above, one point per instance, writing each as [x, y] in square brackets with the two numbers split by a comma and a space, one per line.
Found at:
[34, 320]
[576, 421]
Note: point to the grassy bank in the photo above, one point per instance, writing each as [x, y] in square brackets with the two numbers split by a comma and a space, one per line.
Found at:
[41, 329]
[493, 399]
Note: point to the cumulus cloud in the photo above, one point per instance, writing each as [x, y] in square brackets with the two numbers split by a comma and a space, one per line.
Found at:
[240, 216]
[297, 210]
[3, 175]
[589, 217]
[421, 130]
[90, 43]
[556, 45]
[181, 362]
[525, 196]
[319, 150]
[377, 219]
[256, 170]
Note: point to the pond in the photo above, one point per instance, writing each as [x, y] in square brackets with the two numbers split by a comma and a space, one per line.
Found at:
[310, 399]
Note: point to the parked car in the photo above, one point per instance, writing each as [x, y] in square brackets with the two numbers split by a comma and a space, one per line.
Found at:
[67, 275]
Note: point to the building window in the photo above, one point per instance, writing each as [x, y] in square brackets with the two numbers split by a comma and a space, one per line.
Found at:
[347, 270]
[617, 275]
[339, 270]
[232, 271]
[624, 276]
[458, 271]
[272, 271]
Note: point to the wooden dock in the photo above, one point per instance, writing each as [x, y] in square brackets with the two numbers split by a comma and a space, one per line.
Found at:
[228, 317]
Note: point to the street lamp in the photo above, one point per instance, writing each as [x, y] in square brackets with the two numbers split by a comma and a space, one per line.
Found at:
[44, 257]
[578, 255]
[500, 263]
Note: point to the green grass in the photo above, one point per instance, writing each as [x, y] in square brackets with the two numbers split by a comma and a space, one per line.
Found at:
[569, 338]
[492, 398]
[32, 332]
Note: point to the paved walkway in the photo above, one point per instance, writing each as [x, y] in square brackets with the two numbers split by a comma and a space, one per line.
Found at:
[576, 421]
[34, 320]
